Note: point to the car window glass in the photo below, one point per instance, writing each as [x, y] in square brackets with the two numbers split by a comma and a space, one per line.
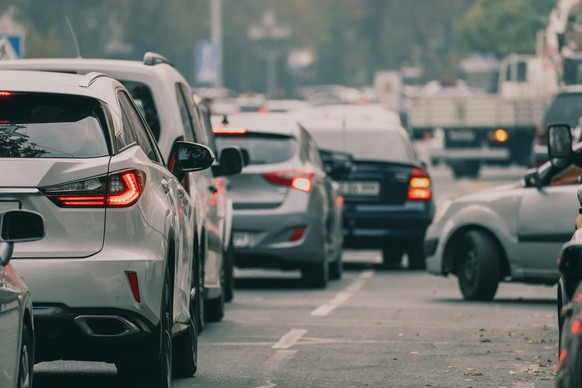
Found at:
[262, 149]
[132, 118]
[187, 114]
[46, 125]
[385, 145]
[144, 100]
[565, 108]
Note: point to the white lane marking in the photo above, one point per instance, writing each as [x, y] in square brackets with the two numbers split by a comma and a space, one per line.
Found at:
[279, 360]
[290, 339]
[343, 296]
[268, 384]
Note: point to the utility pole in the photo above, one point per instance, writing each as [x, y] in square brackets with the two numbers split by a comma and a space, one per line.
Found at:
[216, 36]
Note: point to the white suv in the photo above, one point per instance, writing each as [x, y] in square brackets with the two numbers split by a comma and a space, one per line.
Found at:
[165, 99]
[112, 279]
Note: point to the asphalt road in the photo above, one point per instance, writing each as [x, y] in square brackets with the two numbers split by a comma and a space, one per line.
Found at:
[374, 328]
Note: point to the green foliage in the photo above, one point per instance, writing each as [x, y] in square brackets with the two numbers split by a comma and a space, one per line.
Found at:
[350, 38]
[503, 27]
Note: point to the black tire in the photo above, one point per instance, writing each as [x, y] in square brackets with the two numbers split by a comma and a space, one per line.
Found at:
[416, 257]
[229, 273]
[466, 168]
[392, 255]
[151, 367]
[315, 275]
[198, 279]
[336, 267]
[214, 309]
[185, 347]
[478, 266]
[26, 362]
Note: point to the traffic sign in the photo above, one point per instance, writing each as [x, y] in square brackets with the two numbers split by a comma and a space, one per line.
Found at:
[207, 68]
[11, 46]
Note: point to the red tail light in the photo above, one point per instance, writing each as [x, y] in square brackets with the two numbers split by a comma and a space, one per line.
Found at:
[116, 190]
[419, 186]
[298, 180]
[134, 284]
[6, 94]
[298, 233]
[225, 130]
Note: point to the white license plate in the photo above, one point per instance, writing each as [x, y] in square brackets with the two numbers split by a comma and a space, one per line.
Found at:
[363, 188]
[9, 205]
[462, 135]
[241, 240]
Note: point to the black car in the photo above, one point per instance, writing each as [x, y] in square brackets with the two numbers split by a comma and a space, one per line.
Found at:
[388, 201]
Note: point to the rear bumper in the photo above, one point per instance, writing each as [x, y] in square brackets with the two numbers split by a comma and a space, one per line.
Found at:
[372, 226]
[269, 235]
[102, 334]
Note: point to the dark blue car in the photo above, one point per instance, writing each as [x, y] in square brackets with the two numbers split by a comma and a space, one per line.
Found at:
[388, 201]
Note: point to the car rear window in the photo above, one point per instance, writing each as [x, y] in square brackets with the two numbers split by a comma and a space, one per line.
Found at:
[565, 108]
[262, 148]
[386, 146]
[48, 125]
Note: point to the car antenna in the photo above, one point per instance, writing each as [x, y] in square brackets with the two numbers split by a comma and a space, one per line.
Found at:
[224, 120]
[74, 37]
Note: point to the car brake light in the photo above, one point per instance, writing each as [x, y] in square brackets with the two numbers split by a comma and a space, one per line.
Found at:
[116, 190]
[419, 186]
[225, 130]
[298, 180]
[6, 94]
[134, 284]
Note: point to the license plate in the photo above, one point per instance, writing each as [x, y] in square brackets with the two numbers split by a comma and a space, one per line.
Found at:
[363, 188]
[9, 205]
[241, 240]
[467, 135]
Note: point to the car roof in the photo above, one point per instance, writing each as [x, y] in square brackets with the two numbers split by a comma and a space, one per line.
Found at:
[275, 123]
[95, 85]
[124, 69]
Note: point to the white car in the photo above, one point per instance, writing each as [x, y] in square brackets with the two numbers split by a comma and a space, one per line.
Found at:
[16, 316]
[510, 233]
[112, 279]
[165, 99]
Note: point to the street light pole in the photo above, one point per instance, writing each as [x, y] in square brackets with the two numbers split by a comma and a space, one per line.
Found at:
[216, 37]
[268, 34]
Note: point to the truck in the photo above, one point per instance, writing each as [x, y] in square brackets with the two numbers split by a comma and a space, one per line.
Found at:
[471, 127]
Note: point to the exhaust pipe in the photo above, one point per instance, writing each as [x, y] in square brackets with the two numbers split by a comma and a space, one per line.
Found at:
[106, 326]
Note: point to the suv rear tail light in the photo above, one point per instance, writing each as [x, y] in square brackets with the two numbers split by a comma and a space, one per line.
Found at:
[419, 186]
[115, 190]
[298, 180]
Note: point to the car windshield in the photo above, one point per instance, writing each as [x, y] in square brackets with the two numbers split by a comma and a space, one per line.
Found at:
[386, 146]
[46, 125]
[262, 149]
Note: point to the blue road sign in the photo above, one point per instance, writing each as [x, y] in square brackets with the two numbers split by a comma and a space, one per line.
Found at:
[206, 62]
[11, 46]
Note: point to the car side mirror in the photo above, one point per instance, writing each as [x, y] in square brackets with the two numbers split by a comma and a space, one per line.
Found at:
[190, 157]
[559, 145]
[570, 260]
[18, 226]
[532, 178]
[231, 162]
[335, 162]
[246, 157]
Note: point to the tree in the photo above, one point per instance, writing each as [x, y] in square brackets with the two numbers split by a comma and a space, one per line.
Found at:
[503, 27]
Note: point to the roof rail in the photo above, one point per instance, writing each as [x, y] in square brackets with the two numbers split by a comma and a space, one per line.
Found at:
[89, 78]
[152, 59]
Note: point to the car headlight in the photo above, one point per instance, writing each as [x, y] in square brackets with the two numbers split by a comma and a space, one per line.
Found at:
[441, 210]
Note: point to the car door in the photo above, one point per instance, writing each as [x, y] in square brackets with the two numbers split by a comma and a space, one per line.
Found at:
[546, 220]
[10, 324]
[165, 184]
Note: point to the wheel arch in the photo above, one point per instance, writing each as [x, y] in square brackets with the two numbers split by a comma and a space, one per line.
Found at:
[450, 253]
